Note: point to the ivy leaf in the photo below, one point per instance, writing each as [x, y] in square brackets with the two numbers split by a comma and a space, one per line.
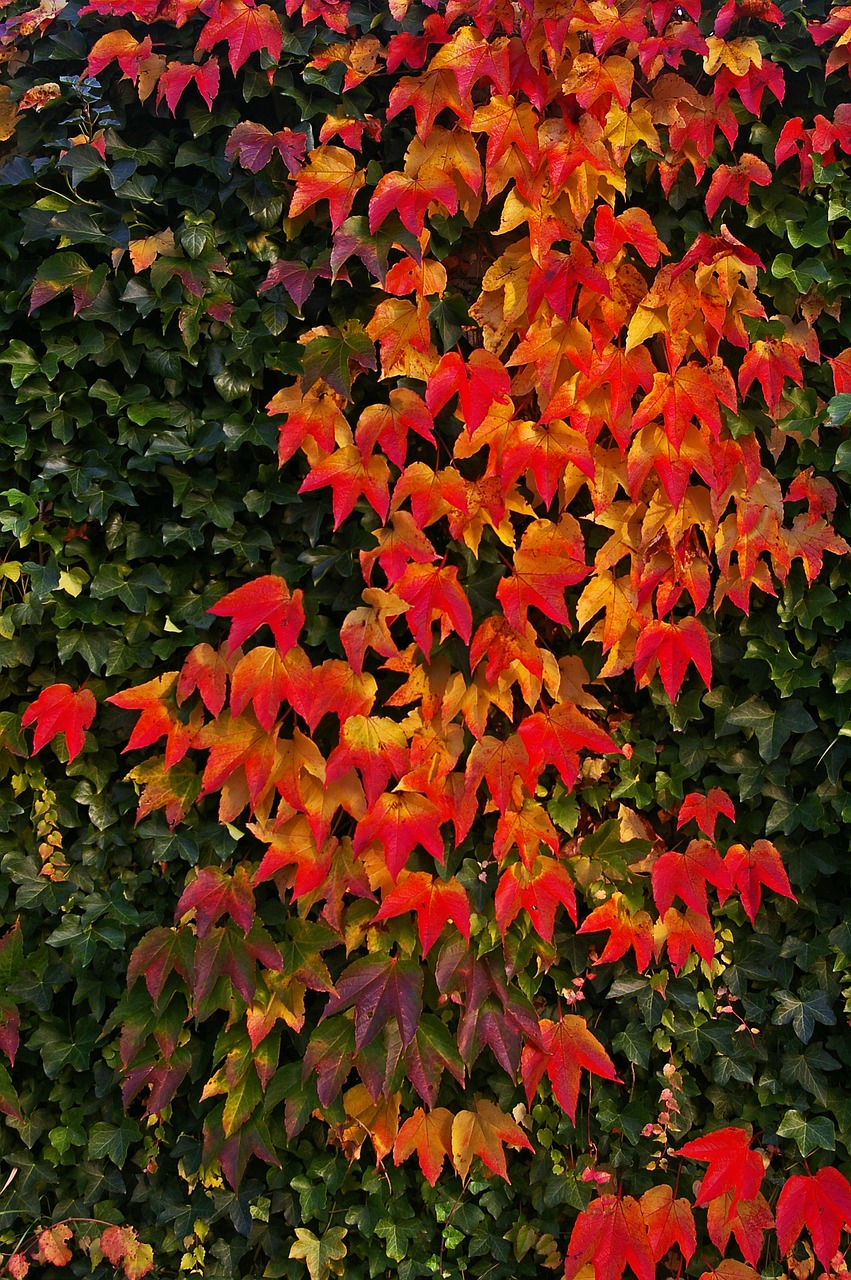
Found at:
[803, 1013]
[809, 1133]
[319, 1252]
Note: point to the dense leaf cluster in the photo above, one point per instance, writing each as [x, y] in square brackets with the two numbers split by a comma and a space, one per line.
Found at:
[607, 356]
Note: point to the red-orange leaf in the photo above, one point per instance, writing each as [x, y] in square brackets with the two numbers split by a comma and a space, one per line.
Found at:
[265, 601]
[59, 709]
[330, 174]
[749, 869]
[246, 27]
[435, 901]
[429, 1134]
[733, 1166]
[668, 1222]
[567, 1047]
[705, 810]
[821, 1202]
[611, 1234]
[673, 645]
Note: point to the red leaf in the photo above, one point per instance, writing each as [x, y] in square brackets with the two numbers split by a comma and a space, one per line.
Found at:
[178, 75]
[734, 180]
[733, 1166]
[628, 929]
[668, 1222]
[822, 1203]
[435, 901]
[567, 1047]
[401, 820]
[685, 875]
[267, 601]
[747, 1220]
[213, 893]
[58, 709]
[538, 891]
[247, 28]
[205, 670]
[705, 810]
[380, 989]
[687, 932]
[750, 869]
[435, 595]
[479, 382]
[611, 1233]
[673, 645]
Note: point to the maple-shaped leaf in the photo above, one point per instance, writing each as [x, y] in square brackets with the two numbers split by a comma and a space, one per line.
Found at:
[321, 1254]
[265, 601]
[566, 1047]
[434, 594]
[122, 1247]
[428, 95]
[749, 869]
[705, 810]
[53, 1245]
[409, 195]
[330, 174]
[627, 929]
[253, 145]
[246, 27]
[550, 557]
[401, 820]
[293, 843]
[159, 717]
[747, 1220]
[330, 1052]
[821, 1202]
[683, 932]
[429, 1134]
[435, 901]
[121, 47]
[213, 893]
[177, 76]
[379, 988]
[483, 1133]
[236, 743]
[329, 358]
[388, 425]
[538, 890]
[350, 475]
[730, 1269]
[668, 1222]
[525, 827]
[611, 1234]
[61, 709]
[685, 875]
[479, 382]
[733, 181]
[377, 1119]
[260, 678]
[672, 645]
[733, 1165]
[174, 789]
[432, 1051]
[376, 746]
[557, 735]
[207, 671]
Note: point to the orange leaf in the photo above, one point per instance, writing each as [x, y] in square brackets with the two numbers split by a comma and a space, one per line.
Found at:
[429, 1134]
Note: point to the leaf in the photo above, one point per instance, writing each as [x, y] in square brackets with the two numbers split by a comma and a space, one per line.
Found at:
[121, 1245]
[821, 1202]
[482, 1133]
[733, 1166]
[379, 988]
[749, 869]
[179, 75]
[53, 1245]
[813, 1133]
[539, 891]
[627, 929]
[246, 28]
[329, 358]
[611, 1233]
[330, 174]
[265, 601]
[350, 475]
[747, 1220]
[567, 1047]
[212, 894]
[668, 1222]
[436, 902]
[17, 1265]
[733, 181]
[253, 145]
[705, 810]
[429, 1134]
[673, 645]
[319, 1252]
[59, 709]
[685, 875]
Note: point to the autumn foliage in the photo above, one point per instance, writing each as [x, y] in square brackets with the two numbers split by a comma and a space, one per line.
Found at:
[559, 429]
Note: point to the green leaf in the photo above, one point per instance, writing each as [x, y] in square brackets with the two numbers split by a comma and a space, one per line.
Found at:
[330, 358]
[803, 1013]
[809, 1135]
[772, 728]
[319, 1252]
